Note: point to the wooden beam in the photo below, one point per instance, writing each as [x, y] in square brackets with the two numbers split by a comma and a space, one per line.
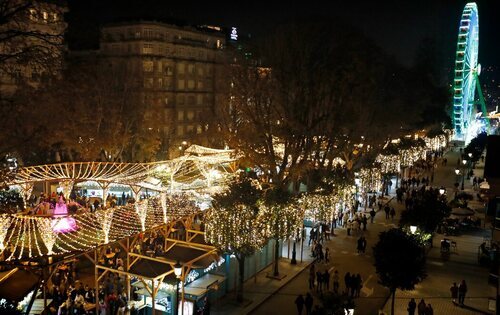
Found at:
[89, 258]
[133, 262]
[122, 272]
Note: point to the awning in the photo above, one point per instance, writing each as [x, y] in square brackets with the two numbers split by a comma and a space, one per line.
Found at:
[201, 285]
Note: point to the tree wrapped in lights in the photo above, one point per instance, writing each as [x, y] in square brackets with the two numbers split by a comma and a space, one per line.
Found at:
[232, 225]
[282, 218]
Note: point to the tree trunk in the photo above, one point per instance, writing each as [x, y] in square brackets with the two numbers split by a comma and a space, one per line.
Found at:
[241, 269]
[393, 291]
[276, 257]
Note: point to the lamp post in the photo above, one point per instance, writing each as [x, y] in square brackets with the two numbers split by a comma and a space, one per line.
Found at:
[294, 252]
[464, 162]
[178, 273]
[470, 165]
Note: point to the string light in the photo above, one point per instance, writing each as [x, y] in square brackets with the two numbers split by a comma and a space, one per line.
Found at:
[234, 230]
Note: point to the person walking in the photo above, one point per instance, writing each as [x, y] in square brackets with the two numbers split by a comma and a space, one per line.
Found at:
[308, 303]
[312, 274]
[359, 247]
[319, 280]
[412, 306]
[454, 292]
[359, 285]
[372, 215]
[363, 244]
[393, 213]
[327, 255]
[429, 310]
[336, 281]
[347, 281]
[462, 291]
[422, 307]
[326, 279]
[387, 210]
[299, 301]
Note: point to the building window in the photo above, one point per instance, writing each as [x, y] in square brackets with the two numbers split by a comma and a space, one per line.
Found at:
[181, 68]
[166, 100]
[180, 100]
[191, 84]
[148, 33]
[169, 71]
[190, 115]
[115, 48]
[200, 85]
[159, 67]
[180, 84]
[199, 99]
[180, 130]
[191, 69]
[180, 115]
[200, 70]
[147, 49]
[160, 82]
[199, 129]
[137, 34]
[148, 82]
[33, 15]
[190, 129]
[147, 66]
[45, 16]
[191, 100]
[219, 44]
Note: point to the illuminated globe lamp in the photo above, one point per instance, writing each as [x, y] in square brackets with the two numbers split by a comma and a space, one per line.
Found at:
[470, 154]
[413, 229]
[442, 190]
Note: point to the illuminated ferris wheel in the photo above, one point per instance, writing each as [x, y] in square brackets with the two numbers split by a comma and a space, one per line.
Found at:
[466, 79]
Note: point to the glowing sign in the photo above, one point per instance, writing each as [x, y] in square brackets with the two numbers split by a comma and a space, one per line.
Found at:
[234, 33]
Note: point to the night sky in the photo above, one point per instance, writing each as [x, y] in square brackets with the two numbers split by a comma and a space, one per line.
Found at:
[397, 26]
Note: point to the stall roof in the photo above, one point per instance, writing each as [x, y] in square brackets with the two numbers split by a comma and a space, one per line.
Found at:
[201, 285]
[18, 284]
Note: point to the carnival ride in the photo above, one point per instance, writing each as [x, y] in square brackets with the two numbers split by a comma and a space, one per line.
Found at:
[467, 122]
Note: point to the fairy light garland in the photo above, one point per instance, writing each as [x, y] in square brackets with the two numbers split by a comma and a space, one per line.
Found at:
[233, 230]
[106, 218]
[5, 221]
[48, 236]
[163, 203]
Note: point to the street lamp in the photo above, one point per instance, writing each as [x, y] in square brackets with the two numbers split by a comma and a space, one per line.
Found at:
[294, 252]
[442, 190]
[464, 162]
[413, 229]
[470, 155]
[178, 273]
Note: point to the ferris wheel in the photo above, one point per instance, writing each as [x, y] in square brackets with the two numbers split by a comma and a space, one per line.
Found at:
[467, 70]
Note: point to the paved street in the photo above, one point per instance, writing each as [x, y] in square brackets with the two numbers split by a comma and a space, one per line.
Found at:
[344, 259]
[461, 264]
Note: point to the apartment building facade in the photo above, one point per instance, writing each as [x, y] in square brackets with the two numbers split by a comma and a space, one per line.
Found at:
[178, 67]
[31, 47]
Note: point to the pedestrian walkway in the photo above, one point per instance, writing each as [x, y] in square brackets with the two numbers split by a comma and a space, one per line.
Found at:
[461, 263]
[258, 289]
